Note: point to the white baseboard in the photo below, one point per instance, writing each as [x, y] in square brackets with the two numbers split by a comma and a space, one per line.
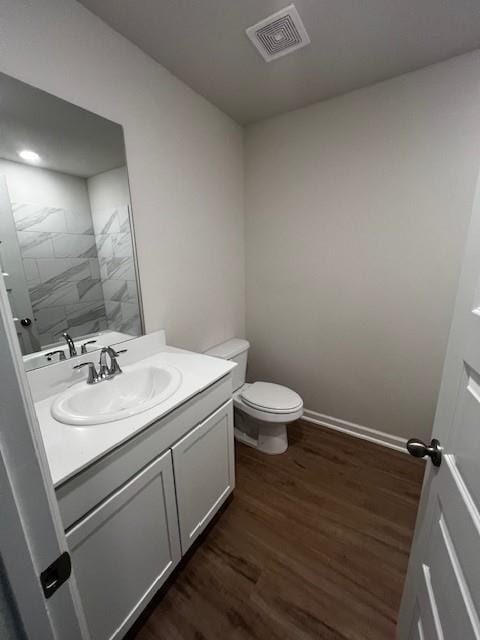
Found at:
[356, 430]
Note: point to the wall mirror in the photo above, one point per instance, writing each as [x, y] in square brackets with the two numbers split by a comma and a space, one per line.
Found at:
[67, 247]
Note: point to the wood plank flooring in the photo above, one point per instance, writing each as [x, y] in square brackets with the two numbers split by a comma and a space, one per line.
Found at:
[314, 544]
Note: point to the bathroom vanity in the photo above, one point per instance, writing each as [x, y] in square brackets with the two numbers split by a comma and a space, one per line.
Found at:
[135, 493]
[142, 457]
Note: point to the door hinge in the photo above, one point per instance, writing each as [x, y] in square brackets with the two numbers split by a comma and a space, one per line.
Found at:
[56, 574]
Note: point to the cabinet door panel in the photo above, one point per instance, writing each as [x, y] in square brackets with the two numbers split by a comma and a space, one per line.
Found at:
[125, 549]
[204, 472]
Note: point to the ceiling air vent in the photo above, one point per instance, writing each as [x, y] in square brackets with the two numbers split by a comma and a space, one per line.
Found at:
[279, 34]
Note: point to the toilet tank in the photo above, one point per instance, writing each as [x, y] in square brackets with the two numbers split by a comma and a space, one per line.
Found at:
[235, 349]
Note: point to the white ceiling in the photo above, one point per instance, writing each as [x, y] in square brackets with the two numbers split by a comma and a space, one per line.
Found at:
[355, 43]
[67, 138]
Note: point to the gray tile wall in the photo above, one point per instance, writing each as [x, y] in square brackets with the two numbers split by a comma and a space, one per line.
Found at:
[117, 272]
[62, 268]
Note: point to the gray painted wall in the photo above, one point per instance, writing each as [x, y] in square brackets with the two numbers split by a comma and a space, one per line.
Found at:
[356, 214]
[357, 210]
[184, 159]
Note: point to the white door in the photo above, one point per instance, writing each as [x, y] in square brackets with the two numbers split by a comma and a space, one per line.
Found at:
[31, 532]
[204, 468]
[441, 599]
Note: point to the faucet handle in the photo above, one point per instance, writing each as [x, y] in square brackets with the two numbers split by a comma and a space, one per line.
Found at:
[61, 355]
[83, 348]
[92, 372]
[114, 352]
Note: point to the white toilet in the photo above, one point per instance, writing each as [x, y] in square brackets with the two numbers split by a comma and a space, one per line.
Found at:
[262, 409]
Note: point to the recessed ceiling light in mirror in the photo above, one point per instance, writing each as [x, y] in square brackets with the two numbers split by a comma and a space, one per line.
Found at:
[29, 156]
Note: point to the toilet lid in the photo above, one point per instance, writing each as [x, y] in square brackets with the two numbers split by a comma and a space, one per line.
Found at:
[271, 397]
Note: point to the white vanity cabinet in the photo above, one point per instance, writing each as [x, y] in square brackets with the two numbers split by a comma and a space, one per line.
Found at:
[125, 549]
[131, 514]
[203, 463]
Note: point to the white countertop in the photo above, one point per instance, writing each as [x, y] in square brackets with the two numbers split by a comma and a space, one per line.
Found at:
[70, 448]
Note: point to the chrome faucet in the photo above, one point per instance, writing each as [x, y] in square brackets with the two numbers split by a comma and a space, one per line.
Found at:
[71, 344]
[104, 372]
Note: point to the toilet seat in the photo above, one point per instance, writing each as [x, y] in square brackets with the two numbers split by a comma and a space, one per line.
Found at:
[272, 398]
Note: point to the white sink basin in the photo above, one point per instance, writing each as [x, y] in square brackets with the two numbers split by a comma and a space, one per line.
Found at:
[129, 393]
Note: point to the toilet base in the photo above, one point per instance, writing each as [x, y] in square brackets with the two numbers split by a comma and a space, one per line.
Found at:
[267, 437]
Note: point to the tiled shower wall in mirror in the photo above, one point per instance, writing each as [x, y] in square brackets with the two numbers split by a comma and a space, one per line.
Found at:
[62, 269]
[109, 201]
[78, 258]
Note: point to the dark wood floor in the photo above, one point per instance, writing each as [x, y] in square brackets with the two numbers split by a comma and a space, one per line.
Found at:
[314, 544]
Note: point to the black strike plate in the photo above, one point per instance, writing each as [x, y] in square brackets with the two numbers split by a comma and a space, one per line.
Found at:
[56, 574]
